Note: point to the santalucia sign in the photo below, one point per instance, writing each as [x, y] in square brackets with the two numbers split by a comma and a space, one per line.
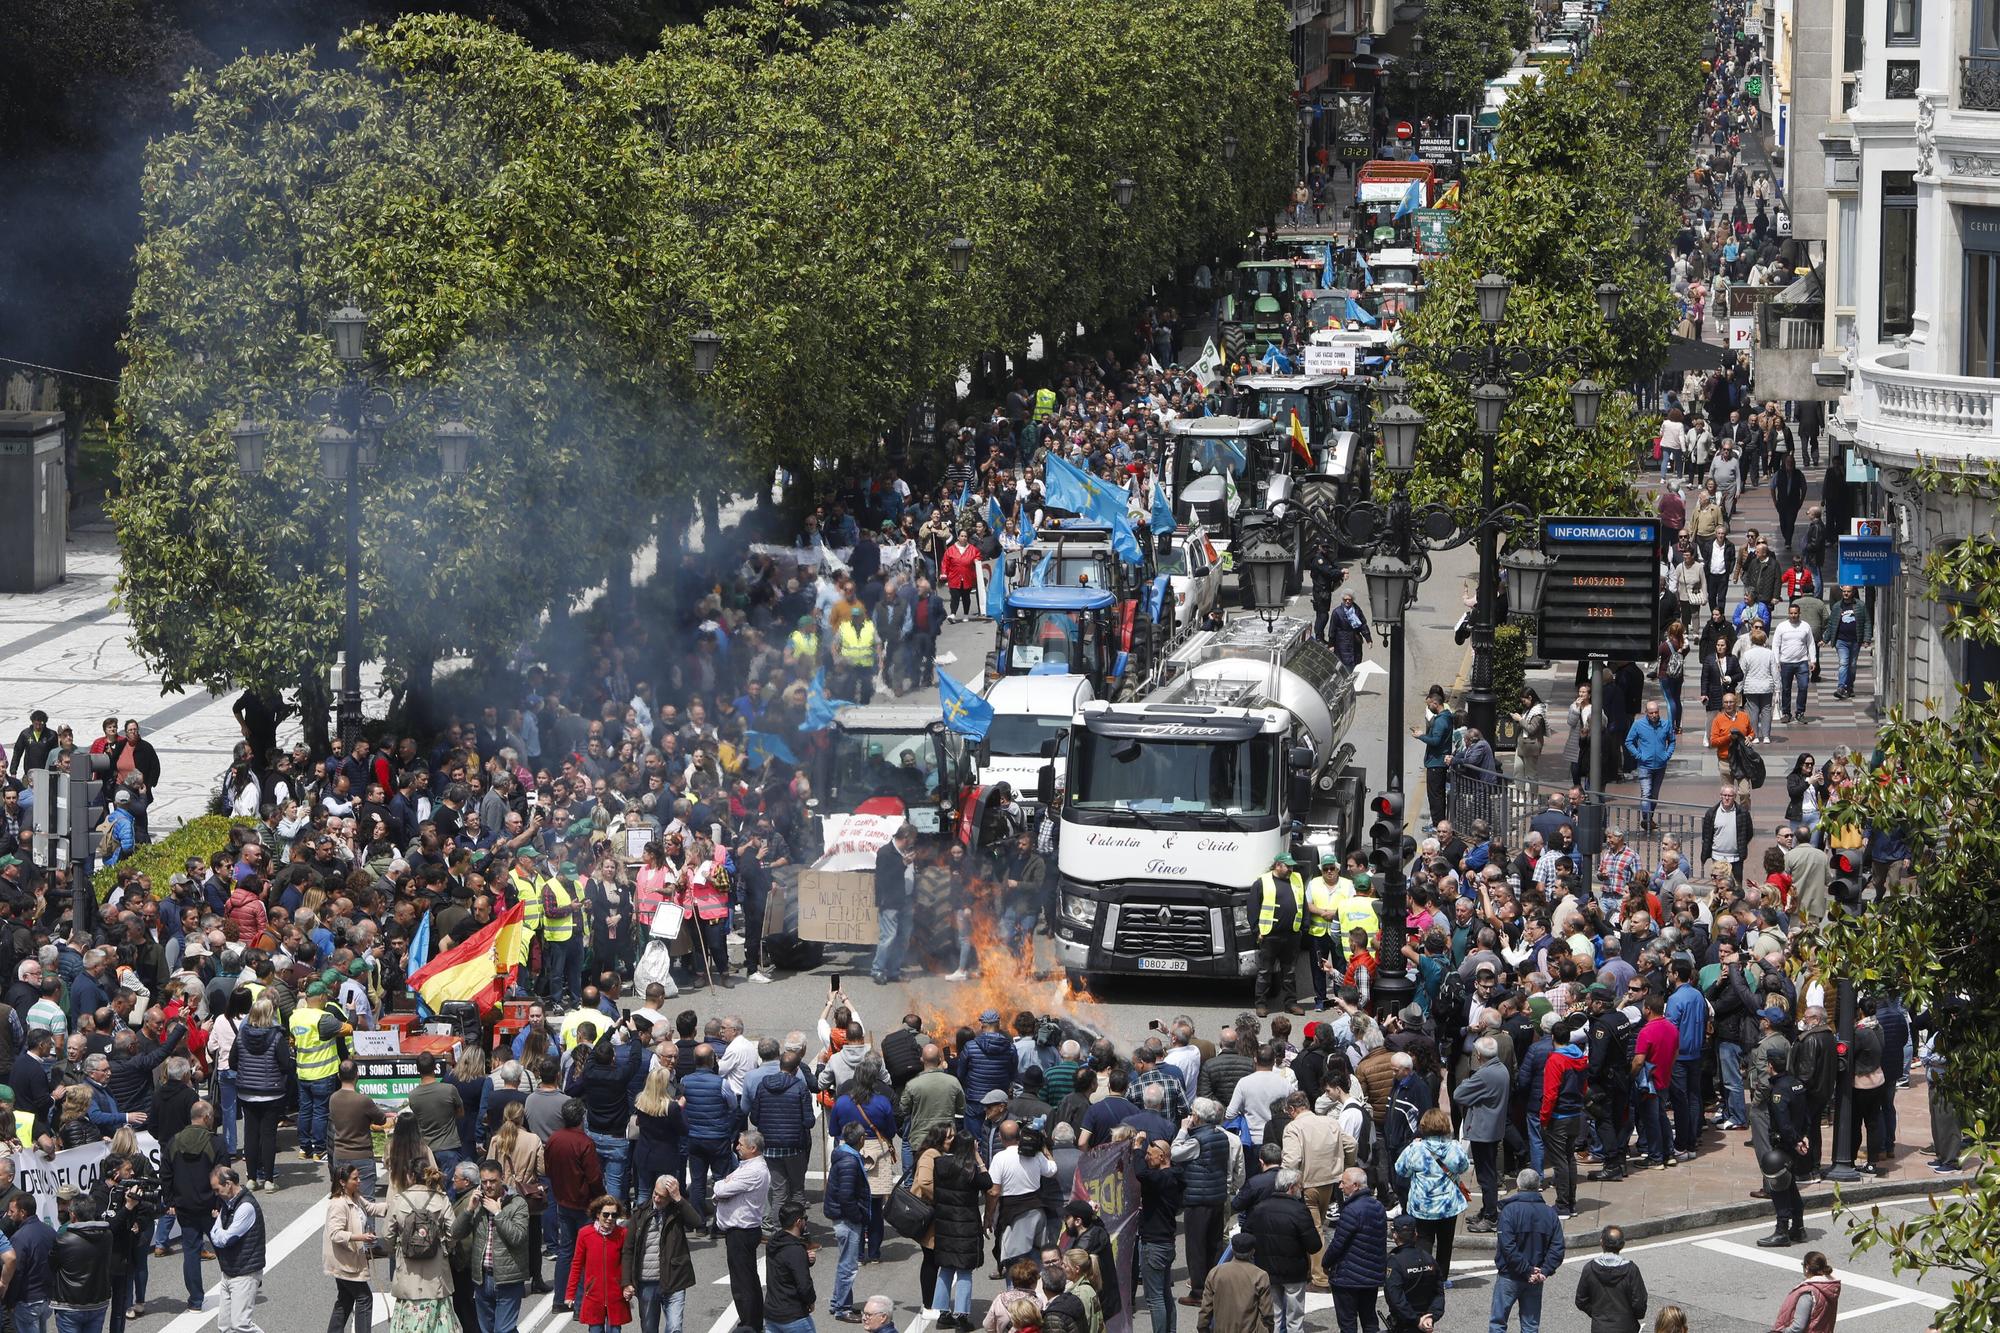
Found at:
[43, 1176]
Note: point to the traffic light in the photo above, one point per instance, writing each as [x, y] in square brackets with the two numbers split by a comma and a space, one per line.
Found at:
[85, 802]
[1461, 134]
[49, 799]
[1385, 835]
[1847, 879]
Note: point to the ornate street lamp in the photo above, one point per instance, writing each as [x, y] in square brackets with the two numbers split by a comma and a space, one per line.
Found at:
[1609, 295]
[1392, 390]
[1228, 148]
[336, 452]
[252, 436]
[1492, 291]
[960, 250]
[1527, 576]
[1389, 583]
[454, 441]
[1585, 397]
[1400, 427]
[349, 327]
[1489, 405]
[707, 345]
[1121, 191]
[1267, 565]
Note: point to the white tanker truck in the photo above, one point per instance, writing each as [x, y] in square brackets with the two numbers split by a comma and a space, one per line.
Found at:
[1173, 807]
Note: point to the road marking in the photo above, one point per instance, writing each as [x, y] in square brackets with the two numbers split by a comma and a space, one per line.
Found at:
[536, 1314]
[1873, 1285]
[305, 1226]
[1849, 1316]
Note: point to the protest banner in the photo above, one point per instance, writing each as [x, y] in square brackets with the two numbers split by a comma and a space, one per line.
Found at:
[42, 1176]
[1107, 1178]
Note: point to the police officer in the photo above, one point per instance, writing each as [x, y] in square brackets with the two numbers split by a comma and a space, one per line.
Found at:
[1327, 573]
[1610, 1078]
[1281, 899]
[1412, 1284]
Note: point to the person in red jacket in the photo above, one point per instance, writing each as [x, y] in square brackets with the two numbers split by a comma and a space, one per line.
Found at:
[596, 1288]
[960, 567]
[576, 1177]
[1565, 1081]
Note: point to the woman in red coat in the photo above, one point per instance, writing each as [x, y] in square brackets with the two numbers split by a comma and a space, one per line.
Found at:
[595, 1291]
[960, 568]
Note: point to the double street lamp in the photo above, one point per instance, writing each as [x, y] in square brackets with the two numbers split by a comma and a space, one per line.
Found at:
[355, 415]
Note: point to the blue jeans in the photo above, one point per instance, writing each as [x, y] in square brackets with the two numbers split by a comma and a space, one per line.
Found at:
[1649, 789]
[193, 1227]
[1156, 1271]
[225, 1092]
[1509, 1293]
[564, 960]
[31, 1317]
[1687, 1104]
[615, 1150]
[313, 1125]
[847, 1235]
[1656, 1136]
[498, 1303]
[1789, 674]
[892, 938]
[80, 1321]
[1017, 929]
[652, 1306]
[1847, 652]
[1535, 1150]
[953, 1293]
[804, 1325]
[707, 1157]
[1729, 1065]
[569, 1222]
[1670, 688]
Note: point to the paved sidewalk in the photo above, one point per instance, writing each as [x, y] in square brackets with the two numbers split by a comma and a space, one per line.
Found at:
[1715, 1187]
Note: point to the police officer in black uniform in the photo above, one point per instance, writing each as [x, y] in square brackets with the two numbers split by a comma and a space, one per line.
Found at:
[1323, 563]
[1412, 1283]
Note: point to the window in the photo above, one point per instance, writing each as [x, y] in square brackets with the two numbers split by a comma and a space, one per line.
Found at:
[1905, 23]
[1982, 298]
[1854, 30]
[1899, 252]
[1850, 244]
[1986, 27]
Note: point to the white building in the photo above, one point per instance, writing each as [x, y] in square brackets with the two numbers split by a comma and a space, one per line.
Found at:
[1912, 168]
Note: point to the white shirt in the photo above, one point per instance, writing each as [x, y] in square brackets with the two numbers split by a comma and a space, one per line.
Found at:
[1794, 642]
[1254, 1095]
[1017, 1175]
[1187, 1061]
[738, 1059]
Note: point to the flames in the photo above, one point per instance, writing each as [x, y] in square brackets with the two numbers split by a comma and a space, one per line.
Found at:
[1004, 982]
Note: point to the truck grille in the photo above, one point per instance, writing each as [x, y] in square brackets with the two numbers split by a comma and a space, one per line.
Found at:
[1181, 930]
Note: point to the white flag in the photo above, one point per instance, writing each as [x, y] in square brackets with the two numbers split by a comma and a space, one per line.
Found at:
[1208, 369]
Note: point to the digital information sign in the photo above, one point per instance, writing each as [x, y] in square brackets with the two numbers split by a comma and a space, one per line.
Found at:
[1603, 594]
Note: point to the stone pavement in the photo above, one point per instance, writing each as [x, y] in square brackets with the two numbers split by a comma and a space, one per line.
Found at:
[1715, 1187]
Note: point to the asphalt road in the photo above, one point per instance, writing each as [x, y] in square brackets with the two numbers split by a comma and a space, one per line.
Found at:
[1719, 1277]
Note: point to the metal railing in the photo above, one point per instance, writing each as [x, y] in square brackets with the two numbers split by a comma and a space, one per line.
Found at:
[1979, 83]
[1511, 804]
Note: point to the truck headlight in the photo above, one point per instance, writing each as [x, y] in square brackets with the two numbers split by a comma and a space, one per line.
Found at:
[1240, 918]
[1080, 909]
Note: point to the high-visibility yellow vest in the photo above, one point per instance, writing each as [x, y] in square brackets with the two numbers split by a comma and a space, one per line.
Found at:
[529, 893]
[575, 1019]
[1267, 914]
[556, 929]
[256, 989]
[1353, 910]
[1319, 898]
[1045, 403]
[317, 1057]
[857, 649]
[803, 644]
[24, 1128]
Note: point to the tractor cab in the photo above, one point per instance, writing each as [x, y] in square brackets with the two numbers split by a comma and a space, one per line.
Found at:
[1064, 631]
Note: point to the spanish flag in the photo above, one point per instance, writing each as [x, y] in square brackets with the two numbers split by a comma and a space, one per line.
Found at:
[1299, 445]
[1449, 199]
[477, 969]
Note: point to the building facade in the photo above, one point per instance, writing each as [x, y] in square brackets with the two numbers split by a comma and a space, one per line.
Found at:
[1912, 156]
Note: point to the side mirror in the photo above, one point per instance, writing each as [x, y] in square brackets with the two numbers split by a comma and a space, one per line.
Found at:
[1301, 757]
[984, 750]
[1045, 784]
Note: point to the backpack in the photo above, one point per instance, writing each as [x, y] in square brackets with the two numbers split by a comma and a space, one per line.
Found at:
[1451, 1007]
[1364, 1142]
[421, 1235]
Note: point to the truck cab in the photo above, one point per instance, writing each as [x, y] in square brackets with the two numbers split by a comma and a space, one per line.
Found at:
[1174, 807]
[1031, 719]
[1222, 466]
[885, 763]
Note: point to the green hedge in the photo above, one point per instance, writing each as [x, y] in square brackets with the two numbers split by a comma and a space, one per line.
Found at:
[202, 837]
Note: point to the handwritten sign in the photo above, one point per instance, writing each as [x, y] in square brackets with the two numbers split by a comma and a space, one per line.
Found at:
[837, 906]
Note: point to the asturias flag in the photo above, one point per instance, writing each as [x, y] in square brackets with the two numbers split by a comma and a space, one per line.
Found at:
[477, 969]
[1413, 199]
[964, 712]
[1162, 519]
[1300, 445]
[1359, 313]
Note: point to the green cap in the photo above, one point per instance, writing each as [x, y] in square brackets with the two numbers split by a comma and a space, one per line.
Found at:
[1284, 859]
[358, 968]
[875, 749]
[1328, 859]
[9, 860]
[6, 1093]
[330, 978]
[316, 988]
[805, 622]
[569, 867]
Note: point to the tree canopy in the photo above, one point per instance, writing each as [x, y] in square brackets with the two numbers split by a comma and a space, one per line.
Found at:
[540, 234]
[1554, 213]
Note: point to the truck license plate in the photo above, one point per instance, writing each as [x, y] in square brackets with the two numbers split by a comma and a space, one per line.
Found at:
[1163, 964]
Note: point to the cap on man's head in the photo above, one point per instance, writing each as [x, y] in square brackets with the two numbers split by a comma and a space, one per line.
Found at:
[1283, 859]
[990, 1016]
[996, 1097]
[1328, 859]
[124, 796]
[1599, 991]
[1773, 1015]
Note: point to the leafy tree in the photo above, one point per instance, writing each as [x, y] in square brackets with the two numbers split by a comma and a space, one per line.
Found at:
[1464, 46]
[1936, 943]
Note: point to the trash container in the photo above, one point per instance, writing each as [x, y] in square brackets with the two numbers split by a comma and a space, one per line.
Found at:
[34, 501]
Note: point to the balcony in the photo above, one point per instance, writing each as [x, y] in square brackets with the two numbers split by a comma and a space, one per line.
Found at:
[1979, 83]
[1905, 415]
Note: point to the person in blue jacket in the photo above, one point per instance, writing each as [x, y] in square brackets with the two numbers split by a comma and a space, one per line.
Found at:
[847, 1207]
[1650, 740]
[1436, 736]
[1687, 1009]
[1526, 1252]
[1357, 1253]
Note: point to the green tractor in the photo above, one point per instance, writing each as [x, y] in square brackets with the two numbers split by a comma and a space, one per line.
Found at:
[1262, 295]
